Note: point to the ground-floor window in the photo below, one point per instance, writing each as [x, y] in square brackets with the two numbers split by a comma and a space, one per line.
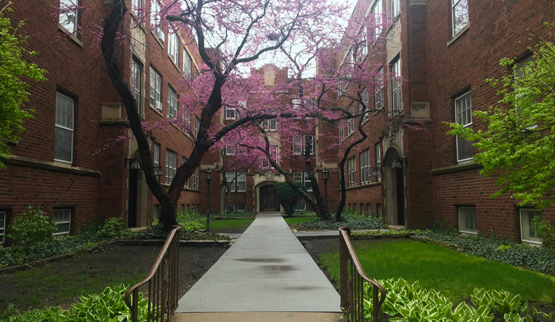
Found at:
[467, 220]
[527, 233]
[379, 210]
[300, 206]
[62, 219]
[240, 207]
[2, 226]
[156, 212]
[369, 209]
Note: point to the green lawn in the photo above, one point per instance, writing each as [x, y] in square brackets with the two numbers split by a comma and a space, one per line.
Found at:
[452, 273]
[298, 220]
[230, 223]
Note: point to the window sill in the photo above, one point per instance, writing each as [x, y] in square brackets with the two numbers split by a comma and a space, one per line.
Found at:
[70, 35]
[393, 22]
[158, 40]
[155, 110]
[174, 64]
[53, 166]
[456, 168]
[470, 233]
[457, 36]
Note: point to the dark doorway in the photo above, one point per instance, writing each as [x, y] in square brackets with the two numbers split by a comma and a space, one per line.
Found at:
[132, 199]
[268, 199]
[400, 196]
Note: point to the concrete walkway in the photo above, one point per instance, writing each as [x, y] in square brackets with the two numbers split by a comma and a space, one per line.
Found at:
[266, 270]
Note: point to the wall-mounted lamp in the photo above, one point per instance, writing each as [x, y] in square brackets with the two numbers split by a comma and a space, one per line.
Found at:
[375, 172]
[133, 164]
[398, 163]
[158, 171]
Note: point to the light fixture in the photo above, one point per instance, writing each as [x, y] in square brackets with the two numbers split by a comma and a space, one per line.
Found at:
[158, 171]
[133, 164]
[375, 172]
[398, 163]
[325, 174]
[208, 175]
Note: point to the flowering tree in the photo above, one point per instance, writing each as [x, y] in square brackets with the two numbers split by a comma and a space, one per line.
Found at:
[228, 34]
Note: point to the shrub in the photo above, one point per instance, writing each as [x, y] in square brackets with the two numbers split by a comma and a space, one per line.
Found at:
[113, 228]
[351, 221]
[287, 197]
[545, 232]
[31, 228]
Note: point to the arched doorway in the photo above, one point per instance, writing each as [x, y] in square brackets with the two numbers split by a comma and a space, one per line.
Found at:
[268, 199]
[394, 185]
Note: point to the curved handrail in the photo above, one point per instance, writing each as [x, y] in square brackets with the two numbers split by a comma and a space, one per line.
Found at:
[154, 268]
[345, 232]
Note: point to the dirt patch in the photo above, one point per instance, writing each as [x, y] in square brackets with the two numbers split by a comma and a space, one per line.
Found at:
[60, 283]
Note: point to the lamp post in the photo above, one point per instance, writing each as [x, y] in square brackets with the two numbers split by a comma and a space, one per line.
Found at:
[208, 174]
[326, 176]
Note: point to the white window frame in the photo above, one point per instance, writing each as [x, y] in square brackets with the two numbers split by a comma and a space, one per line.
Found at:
[63, 221]
[394, 8]
[463, 116]
[172, 103]
[303, 179]
[136, 5]
[299, 144]
[377, 16]
[65, 19]
[197, 126]
[378, 151]
[396, 86]
[351, 122]
[239, 207]
[526, 215]
[341, 131]
[379, 97]
[171, 165]
[156, 20]
[364, 167]
[64, 123]
[364, 107]
[241, 183]
[300, 206]
[230, 113]
[196, 175]
[230, 151]
[187, 63]
[296, 104]
[351, 164]
[3, 219]
[137, 83]
[462, 220]
[456, 29]
[155, 89]
[173, 47]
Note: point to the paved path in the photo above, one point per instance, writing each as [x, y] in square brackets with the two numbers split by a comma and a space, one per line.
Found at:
[266, 270]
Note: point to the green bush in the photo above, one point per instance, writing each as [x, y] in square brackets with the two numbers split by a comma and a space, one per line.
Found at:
[348, 220]
[107, 306]
[31, 228]
[287, 197]
[545, 232]
[113, 228]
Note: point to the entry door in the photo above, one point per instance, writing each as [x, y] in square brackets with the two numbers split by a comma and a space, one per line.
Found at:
[268, 199]
[132, 198]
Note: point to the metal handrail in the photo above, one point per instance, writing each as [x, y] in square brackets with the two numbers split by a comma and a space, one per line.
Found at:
[162, 283]
[352, 280]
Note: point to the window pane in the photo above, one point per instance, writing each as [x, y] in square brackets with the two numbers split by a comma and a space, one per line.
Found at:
[527, 231]
[63, 143]
[460, 15]
[68, 15]
[467, 219]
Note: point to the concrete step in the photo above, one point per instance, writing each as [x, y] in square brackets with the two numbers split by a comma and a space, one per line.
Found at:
[258, 317]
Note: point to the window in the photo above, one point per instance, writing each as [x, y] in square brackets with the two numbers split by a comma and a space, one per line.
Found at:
[197, 126]
[237, 180]
[363, 108]
[378, 150]
[137, 5]
[269, 125]
[240, 207]
[187, 182]
[171, 165]
[303, 179]
[186, 118]
[352, 172]
[341, 130]
[296, 103]
[155, 20]
[229, 151]
[365, 167]
[351, 122]
[379, 210]
[156, 156]
[264, 162]
[173, 47]
[300, 206]
[63, 132]
[467, 220]
[68, 17]
[155, 89]
[3, 219]
[463, 116]
[378, 90]
[395, 85]
[137, 83]
[369, 209]
[377, 18]
[301, 141]
[230, 113]
[62, 219]
[172, 103]
[394, 8]
[156, 211]
[362, 45]
[527, 233]
[187, 63]
[459, 15]
[196, 178]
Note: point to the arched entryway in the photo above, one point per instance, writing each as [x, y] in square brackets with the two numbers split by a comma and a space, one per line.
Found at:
[394, 185]
[268, 199]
